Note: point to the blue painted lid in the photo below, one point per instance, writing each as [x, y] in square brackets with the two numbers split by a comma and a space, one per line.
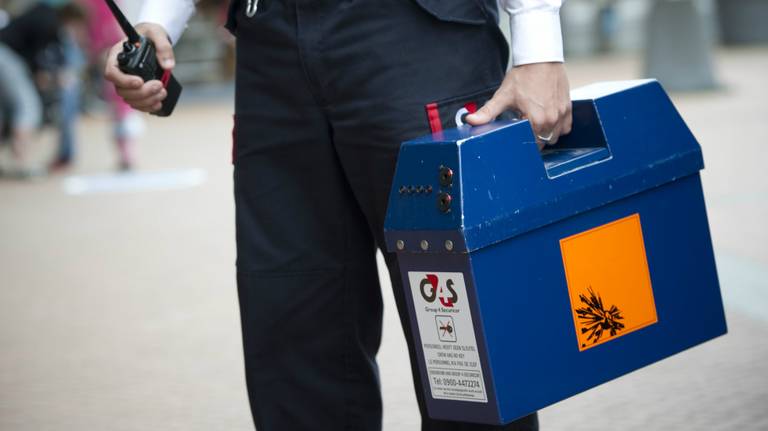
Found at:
[627, 138]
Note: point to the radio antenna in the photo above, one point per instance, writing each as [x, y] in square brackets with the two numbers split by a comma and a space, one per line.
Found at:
[133, 36]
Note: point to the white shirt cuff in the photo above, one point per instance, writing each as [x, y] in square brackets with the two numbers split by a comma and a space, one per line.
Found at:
[536, 37]
[172, 17]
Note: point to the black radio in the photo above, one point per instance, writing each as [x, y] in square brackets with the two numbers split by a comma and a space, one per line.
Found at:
[139, 58]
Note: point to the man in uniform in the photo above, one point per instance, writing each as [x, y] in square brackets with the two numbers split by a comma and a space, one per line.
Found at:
[326, 90]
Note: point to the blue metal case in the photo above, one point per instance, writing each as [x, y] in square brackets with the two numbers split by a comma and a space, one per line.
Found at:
[533, 276]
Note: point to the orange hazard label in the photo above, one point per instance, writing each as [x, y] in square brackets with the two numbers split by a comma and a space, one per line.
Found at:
[608, 281]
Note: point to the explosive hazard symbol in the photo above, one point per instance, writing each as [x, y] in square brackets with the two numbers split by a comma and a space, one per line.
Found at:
[608, 281]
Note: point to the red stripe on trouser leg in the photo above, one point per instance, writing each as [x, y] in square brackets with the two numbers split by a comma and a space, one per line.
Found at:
[434, 118]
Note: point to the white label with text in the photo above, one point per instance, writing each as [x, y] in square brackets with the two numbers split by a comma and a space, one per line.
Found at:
[447, 336]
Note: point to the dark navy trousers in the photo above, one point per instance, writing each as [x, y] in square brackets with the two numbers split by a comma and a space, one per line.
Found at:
[326, 91]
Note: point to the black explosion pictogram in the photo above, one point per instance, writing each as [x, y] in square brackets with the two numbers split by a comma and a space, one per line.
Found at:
[447, 328]
[596, 320]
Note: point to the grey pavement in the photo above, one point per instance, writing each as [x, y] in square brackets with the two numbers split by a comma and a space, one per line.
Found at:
[118, 309]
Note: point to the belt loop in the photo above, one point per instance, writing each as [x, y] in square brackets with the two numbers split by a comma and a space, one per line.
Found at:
[251, 7]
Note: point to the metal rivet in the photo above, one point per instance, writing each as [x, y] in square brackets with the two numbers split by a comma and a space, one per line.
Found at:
[420, 189]
[448, 244]
[403, 189]
[429, 189]
[424, 244]
[400, 244]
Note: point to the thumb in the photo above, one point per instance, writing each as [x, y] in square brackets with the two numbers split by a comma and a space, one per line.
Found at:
[163, 46]
[492, 109]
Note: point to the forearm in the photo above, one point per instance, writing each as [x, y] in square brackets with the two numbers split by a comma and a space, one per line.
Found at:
[172, 15]
[535, 29]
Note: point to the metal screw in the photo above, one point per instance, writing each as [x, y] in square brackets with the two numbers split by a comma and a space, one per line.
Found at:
[444, 202]
[446, 176]
[424, 244]
[448, 244]
[400, 244]
[403, 189]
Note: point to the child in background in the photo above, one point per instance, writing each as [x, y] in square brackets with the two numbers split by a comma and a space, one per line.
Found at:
[86, 42]
[73, 35]
[103, 32]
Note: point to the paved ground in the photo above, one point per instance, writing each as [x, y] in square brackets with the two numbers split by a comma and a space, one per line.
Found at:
[118, 311]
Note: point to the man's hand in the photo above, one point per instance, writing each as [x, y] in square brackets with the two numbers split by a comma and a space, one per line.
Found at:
[144, 96]
[540, 93]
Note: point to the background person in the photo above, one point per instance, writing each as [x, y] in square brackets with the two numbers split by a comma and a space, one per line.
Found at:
[326, 91]
[85, 39]
[28, 50]
[44, 76]
[103, 33]
[73, 18]
[20, 109]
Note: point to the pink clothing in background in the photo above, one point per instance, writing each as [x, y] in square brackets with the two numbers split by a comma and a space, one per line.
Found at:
[103, 33]
[103, 30]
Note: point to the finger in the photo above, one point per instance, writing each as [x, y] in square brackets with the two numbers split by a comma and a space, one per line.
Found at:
[144, 109]
[534, 113]
[564, 122]
[148, 103]
[163, 47]
[500, 101]
[113, 74]
[148, 108]
[568, 120]
[556, 132]
[492, 109]
[544, 124]
[146, 91]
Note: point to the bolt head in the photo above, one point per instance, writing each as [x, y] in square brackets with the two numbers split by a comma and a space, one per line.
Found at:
[444, 202]
[446, 176]
[424, 244]
[448, 244]
[400, 244]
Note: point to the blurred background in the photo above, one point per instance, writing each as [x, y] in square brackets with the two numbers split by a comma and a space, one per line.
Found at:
[118, 306]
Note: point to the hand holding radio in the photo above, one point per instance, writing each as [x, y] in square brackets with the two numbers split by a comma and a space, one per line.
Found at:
[144, 93]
